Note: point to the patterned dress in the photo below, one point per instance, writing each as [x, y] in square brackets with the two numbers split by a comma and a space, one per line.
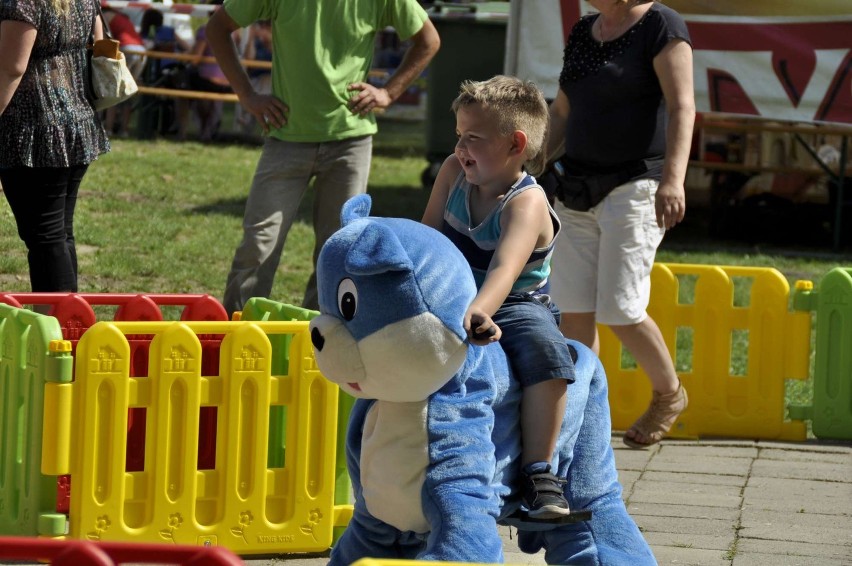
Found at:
[49, 122]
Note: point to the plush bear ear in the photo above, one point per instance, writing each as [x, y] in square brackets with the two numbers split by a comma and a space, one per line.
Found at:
[355, 208]
[377, 250]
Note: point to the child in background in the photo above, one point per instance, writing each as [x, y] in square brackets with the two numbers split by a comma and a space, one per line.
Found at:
[499, 217]
[207, 77]
[166, 73]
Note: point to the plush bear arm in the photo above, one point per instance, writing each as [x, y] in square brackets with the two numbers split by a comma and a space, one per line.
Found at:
[460, 494]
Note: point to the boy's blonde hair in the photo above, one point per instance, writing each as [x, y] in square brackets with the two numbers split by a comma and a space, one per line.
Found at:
[515, 105]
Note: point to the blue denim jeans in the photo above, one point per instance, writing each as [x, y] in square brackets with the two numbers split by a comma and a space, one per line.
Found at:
[532, 339]
[339, 170]
[43, 200]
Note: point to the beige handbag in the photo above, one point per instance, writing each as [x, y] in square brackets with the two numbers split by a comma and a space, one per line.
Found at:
[108, 80]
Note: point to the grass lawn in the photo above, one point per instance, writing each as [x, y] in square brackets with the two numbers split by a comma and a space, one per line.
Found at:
[165, 217]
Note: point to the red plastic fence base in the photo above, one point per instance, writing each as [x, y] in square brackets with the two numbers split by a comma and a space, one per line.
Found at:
[77, 552]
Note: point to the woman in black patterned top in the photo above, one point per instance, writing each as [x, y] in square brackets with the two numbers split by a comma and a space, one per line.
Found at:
[623, 116]
[49, 133]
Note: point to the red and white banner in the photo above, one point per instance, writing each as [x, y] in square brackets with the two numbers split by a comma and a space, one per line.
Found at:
[756, 62]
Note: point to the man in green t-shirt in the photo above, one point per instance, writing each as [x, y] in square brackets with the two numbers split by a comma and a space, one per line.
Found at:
[319, 117]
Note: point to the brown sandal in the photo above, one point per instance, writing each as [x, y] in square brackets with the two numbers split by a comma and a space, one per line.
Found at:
[659, 418]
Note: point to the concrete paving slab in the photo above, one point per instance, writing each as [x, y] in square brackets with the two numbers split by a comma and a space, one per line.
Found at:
[628, 478]
[710, 441]
[671, 462]
[802, 527]
[772, 531]
[687, 511]
[794, 454]
[703, 452]
[756, 559]
[628, 459]
[703, 542]
[521, 558]
[798, 496]
[763, 487]
[690, 556]
[687, 494]
[799, 520]
[802, 470]
[683, 525]
[791, 505]
[790, 548]
[694, 478]
[809, 446]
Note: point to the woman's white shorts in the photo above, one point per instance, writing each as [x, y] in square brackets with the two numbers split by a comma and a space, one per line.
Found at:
[603, 258]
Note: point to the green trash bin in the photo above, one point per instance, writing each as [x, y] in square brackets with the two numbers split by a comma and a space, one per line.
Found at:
[473, 46]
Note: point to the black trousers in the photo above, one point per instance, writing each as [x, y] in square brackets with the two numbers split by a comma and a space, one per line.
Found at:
[43, 200]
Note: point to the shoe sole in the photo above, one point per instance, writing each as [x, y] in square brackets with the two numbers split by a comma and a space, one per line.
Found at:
[636, 445]
[549, 512]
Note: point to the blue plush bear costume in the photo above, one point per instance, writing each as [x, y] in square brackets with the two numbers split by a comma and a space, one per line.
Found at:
[433, 443]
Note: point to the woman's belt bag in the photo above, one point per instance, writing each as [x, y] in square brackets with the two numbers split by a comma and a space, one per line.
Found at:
[584, 192]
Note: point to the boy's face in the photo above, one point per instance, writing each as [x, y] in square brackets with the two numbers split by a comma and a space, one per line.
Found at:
[485, 154]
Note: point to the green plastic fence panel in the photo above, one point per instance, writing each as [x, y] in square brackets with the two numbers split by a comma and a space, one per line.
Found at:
[27, 497]
[832, 411]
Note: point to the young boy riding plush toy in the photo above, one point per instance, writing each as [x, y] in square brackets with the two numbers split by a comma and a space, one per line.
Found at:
[434, 444]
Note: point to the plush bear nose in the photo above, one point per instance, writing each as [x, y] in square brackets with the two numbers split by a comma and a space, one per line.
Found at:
[317, 339]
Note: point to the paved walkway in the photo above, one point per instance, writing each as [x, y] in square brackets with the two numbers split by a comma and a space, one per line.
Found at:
[724, 503]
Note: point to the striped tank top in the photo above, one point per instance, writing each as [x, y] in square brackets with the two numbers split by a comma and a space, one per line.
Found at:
[478, 243]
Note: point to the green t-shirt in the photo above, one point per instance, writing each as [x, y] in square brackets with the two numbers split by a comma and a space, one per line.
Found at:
[319, 48]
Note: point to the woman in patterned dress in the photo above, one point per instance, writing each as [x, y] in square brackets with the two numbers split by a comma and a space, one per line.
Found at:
[49, 133]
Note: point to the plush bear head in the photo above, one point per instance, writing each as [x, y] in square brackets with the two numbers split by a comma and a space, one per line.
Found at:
[391, 322]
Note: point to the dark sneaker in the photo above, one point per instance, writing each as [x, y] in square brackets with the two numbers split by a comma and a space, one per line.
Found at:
[542, 493]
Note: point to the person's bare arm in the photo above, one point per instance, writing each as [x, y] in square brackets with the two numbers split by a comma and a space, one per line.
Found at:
[433, 215]
[424, 44]
[673, 66]
[559, 110]
[16, 43]
[99, 29]
[522, 224]
[266, 108]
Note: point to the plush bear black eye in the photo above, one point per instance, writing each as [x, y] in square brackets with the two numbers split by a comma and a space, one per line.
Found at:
[347, 299]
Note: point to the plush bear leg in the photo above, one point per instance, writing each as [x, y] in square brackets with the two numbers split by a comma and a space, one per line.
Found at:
[366, 536]
[587, 461]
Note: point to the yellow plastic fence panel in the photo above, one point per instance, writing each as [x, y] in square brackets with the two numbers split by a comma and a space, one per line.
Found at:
[741, 354]
[241, 503]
